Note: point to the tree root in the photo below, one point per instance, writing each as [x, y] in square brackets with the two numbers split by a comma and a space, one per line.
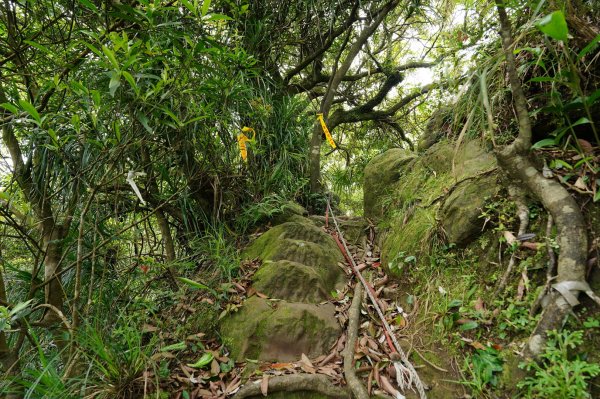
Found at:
[358, 389]
[295, 382]
[572, 230]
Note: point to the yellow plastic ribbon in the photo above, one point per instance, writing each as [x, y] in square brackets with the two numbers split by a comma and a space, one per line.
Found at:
[327, 134]
[242, 139]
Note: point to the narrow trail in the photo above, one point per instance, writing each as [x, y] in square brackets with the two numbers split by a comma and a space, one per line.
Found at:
[276, 357]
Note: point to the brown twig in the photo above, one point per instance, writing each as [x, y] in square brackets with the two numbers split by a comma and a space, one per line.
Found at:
[358, 389]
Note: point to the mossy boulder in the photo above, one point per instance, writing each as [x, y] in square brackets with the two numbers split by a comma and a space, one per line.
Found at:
[301, 243]
[443, 190]
[380, 174]
[437, 126]
[291, 211]
[279, 330]
[294, 281]
[460, 214]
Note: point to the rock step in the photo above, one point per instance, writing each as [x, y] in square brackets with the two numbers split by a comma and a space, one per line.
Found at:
[299, 272]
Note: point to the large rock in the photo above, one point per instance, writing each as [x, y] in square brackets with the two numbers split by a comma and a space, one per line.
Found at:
[280, 331]
[444, 189]
[281, 280]
[299, 271]
[460, 215]
[380, 174]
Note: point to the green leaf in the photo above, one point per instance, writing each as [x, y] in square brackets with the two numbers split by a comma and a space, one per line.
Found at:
[88, 4]
[203, 361]
[144, 121]
[174, 347]
[581, 121]
[193, 284]
[217, 17]
[172, 115]
[10, 107]
[542, 79]
[470, 325]
[597, 195]
[189, 6]
[559, 163]
[18, 309]
[30, 109]
[554, 25]
[111, 57]
[53, 136]
[590, 47]
[115, 82]
[131, 82]
[543, 143]
[454, 303]
[205, 6]
[38, 46]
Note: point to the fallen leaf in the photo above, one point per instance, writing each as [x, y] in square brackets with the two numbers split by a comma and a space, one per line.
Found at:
[264, 385]
[388, 387]
[479, 305]
[509, 237]
[477, 345]
[580, 184]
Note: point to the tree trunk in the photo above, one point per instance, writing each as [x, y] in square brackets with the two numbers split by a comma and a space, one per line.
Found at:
[316, 139]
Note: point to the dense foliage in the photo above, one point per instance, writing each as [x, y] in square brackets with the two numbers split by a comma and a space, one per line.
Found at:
[121, 178]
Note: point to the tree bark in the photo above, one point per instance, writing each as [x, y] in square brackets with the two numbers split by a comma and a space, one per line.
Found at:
[336, 79]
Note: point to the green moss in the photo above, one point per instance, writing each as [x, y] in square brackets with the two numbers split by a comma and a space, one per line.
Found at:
[279, 331]
[413, 204]
[294, 281]
[412, 239]
[379, 176]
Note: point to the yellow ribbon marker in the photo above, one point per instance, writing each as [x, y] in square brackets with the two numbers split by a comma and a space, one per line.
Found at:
[242, 139]
[327, 134]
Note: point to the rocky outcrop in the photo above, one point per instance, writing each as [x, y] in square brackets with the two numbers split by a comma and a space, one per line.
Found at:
[438, 195]
[298, 274]
[380, 175]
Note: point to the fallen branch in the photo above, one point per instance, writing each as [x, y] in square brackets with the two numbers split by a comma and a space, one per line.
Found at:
[293, 383]
[406, 374]
[358, 389]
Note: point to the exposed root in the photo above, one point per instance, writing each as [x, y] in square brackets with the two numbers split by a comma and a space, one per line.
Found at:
[358, 389]
[293, 383]
[572, 234]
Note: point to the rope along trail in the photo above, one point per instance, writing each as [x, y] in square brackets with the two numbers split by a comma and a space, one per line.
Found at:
[405, 372]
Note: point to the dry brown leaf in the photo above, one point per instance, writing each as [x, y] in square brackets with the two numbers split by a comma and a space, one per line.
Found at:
[477, 345]
[509, 237]
[214, 367]
[264, 385]
[479, 306]
[388, 387]
[233, 385]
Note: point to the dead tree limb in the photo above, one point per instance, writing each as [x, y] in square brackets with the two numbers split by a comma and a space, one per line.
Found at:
[358, 389]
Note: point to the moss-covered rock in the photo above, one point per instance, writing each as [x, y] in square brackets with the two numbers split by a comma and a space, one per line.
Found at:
[437, 126]
[380, 174]
[291, 211]
[460, 213]
[457, 180]
[279, 331]
[353, 228]
[294, 282]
